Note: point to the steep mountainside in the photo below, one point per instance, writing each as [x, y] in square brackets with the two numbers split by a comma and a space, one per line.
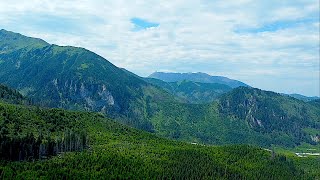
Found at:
[12, 96]
[269, 112]
[196, 77]
[90, 146]
[244, 115]
[77, 79]
[192, 92]
[74, 78]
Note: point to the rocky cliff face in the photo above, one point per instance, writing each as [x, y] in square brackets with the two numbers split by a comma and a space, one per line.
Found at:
[96, 97]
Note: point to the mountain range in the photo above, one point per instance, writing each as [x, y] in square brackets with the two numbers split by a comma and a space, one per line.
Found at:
[197, 77]
[77, 79]
[104, 112]
[202, 88]
[304, 98]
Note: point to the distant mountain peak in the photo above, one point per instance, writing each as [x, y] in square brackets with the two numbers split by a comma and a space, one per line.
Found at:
[196, 77]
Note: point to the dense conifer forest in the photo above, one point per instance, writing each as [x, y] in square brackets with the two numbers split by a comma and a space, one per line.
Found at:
[59, 144]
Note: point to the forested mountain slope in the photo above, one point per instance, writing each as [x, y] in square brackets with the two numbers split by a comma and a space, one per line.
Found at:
[244, 115]
[272, 113]
[315, 103]
[192, 92]
[77, 79]
[90, 146]
[74, 78]
[12, 96]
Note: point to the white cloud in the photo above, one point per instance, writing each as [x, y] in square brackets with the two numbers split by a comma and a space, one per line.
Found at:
[193, 35]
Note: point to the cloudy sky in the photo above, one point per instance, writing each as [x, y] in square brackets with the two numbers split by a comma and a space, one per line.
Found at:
[269, 44]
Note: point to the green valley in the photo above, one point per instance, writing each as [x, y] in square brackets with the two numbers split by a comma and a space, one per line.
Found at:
[89, 146]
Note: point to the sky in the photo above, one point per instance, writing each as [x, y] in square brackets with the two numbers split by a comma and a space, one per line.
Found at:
[268, 44]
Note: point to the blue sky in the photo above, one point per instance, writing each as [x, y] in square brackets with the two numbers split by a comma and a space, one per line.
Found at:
[272, 45]
[141, 24]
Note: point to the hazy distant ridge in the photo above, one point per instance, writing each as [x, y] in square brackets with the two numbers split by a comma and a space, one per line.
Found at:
[197, 77]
